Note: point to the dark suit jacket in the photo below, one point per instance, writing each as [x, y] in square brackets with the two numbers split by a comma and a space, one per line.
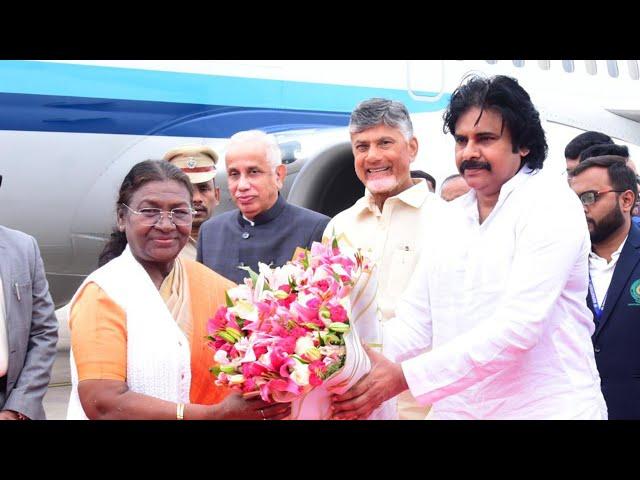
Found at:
[32, 326]
[616, 339]
[228, 240]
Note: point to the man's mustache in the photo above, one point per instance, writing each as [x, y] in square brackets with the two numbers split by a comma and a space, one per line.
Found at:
[474, 165]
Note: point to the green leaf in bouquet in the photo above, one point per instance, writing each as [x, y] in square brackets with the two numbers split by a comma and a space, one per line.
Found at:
[313, 353]
[228, 369]
[227, 299]
[339, 327]
[253, 275]
[234, 332]
[333, 368]
[280, 294]
[245, 310]
[312, 326]
[299, 358]
[332, 339]
[215, 370]
[227, 337]
[305, 259]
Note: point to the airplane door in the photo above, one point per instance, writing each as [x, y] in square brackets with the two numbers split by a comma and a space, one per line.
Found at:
[425, 80]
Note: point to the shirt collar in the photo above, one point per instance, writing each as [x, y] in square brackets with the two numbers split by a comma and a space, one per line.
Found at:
[614, 256]
[413, 196]
[470, 199]
[513, 183]
[266, 216]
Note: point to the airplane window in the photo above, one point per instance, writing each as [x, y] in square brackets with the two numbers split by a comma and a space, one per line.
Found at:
[612, 67]
[633, 69]
[492, 62]
[544, 64]
[290, 151]
[568, 66]
[518, 63]
[592, 68]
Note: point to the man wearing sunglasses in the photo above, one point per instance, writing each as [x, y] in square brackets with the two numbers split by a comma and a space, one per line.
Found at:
[608, 189]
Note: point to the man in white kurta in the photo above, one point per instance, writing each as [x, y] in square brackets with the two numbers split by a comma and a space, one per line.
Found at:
[500, 299]
[503, 309]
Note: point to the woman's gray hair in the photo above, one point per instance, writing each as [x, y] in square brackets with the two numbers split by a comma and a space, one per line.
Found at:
[274, 154]
[376, 111]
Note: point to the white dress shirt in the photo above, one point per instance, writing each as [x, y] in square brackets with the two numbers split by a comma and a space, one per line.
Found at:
[502, 303]
[601, 273]
[4, 345]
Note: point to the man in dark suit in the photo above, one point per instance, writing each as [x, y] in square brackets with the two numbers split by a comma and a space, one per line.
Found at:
[265, 228]
[608, 189]
[28, 328]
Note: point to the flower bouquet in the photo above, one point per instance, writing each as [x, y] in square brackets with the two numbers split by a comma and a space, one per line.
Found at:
[293, 333]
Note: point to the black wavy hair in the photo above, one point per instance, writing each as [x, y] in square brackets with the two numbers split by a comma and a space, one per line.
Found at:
[505, 96]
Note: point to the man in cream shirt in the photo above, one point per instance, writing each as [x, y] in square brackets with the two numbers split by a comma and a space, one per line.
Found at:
[500, 298]
[392, 218]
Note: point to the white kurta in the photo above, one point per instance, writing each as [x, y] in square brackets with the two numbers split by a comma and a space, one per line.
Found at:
[502, 304]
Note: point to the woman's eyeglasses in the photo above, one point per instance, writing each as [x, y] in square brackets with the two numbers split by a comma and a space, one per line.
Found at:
[152, 216]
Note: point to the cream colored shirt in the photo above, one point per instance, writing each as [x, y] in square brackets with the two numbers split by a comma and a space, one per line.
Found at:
[190, 250]
[4, 345]
[601, 272]
[393, 236]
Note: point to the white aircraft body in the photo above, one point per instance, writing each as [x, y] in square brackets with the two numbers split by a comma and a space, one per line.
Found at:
[71, 130]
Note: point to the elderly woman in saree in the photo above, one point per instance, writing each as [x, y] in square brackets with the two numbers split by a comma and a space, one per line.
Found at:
[138, 323]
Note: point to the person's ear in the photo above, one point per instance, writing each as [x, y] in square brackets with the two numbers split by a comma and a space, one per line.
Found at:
[413, 148]
[120, 219]
[281, 175]
[627, 201]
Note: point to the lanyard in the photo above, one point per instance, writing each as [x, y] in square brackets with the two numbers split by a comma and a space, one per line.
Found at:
[596, 308]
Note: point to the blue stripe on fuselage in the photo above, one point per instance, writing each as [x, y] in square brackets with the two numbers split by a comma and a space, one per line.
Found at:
[42, 96]
[47, 113]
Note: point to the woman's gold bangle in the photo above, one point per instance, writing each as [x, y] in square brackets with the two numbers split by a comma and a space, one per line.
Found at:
[180, 411]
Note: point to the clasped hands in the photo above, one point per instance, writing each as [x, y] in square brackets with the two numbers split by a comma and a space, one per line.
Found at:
[384, 381]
